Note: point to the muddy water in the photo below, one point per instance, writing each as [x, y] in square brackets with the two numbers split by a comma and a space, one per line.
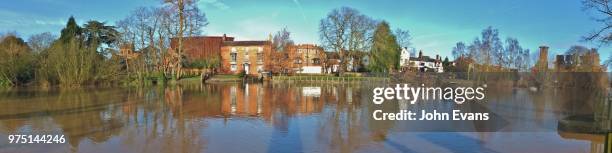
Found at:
[286, 118]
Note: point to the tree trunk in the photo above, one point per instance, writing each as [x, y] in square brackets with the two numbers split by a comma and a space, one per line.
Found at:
[181, 7]
[342, 66]
[154, 51]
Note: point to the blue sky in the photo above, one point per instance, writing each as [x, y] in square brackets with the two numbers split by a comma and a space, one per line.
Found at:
[435, 25]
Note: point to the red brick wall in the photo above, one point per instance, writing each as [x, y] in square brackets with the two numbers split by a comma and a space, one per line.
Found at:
[196, 48]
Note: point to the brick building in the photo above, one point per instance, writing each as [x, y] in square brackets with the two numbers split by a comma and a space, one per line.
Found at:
[579, 62]
[252, 57]
[305, 58]
[201, 47]
[542, 63]
[310, 54]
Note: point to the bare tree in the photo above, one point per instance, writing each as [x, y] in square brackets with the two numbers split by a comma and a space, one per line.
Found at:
[608, 62]
[602, 7]
[526, 61]
[149, 30]
[40, 42]
[403, 37]
[346, 30]
[489, 46]
[281, 40]
[127, 30]
[459, 50]
[474, 49]
[138, 30]
[180, 5]
[512, 53]
[190, 22]
[195, 20]
[516, 55]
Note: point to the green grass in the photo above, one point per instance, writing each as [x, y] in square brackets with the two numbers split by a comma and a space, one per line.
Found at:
[327, 78]
[191, 78]
[226, 76]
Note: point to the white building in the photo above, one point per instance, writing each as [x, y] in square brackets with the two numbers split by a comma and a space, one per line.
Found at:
[404, 59]
[425, 63]
[311, 70]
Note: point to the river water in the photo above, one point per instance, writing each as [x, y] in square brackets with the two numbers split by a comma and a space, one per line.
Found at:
[283, 117]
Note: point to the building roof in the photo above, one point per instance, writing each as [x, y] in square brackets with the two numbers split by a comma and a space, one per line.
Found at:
[332, 55]
[198, 40]
[425, 59]
[246, 43]
[203, 37]
[310, 46]
[148, 49]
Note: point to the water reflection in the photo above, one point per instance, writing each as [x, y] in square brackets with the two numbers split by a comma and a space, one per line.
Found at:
[287, 118]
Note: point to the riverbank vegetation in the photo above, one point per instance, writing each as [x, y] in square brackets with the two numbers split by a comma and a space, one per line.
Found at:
[91, 54]
[80, 56]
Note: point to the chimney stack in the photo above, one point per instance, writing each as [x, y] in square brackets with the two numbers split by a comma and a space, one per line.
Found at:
[543, 60]
[420, 54]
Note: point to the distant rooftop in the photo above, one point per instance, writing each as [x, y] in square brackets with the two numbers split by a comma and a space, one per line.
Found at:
[246, 43]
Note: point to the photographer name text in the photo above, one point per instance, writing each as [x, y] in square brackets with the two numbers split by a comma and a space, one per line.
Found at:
[412, 95]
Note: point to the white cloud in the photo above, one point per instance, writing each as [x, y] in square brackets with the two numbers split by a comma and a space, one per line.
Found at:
[215, 3]
[26, 24]
[50, 22]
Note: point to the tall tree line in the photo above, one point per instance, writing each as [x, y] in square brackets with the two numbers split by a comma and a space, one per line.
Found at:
[350, 33]
[489, 50]
[80, 56]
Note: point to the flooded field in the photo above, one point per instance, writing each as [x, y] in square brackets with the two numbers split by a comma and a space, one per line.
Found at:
[266, 117]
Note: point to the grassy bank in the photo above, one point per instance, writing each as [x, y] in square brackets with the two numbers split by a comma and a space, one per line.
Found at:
[328, 78]
[224, 78]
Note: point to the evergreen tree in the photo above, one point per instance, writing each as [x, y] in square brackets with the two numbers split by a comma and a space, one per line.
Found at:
[446, 62]
[75, 59]
[72, 30]
[385, 53]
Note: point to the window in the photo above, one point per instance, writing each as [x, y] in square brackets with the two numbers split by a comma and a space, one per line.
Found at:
[259, 57]
[233, 57]
[246, 55]
[233, 67]
[316, 61]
